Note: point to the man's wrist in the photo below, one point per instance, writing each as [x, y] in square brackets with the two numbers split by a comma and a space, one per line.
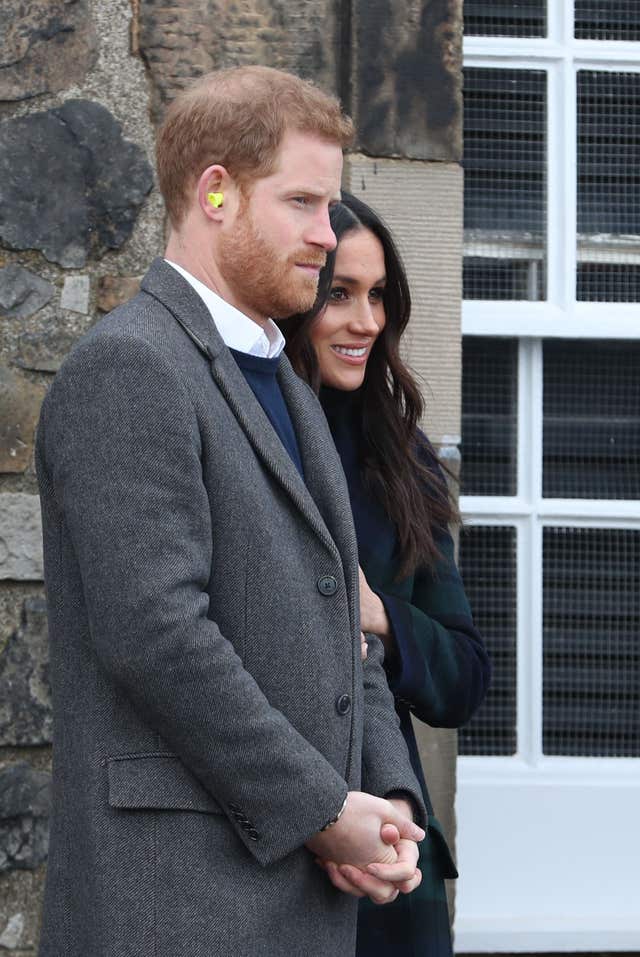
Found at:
[335, 819]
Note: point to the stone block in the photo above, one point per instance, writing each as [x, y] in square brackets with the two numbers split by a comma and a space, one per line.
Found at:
[183, 40]
[114, 290]
[70, 185]
[20, 903]
[422, 204]
[20, 402]
[45, 46]
[20, 537]
[22, 292]
[395, 63]
[25, 803]
[12, 934]
[44, 351]
[75, 294]
[407, 78]
[25, 695]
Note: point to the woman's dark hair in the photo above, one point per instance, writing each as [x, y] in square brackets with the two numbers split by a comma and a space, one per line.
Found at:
[398, 464]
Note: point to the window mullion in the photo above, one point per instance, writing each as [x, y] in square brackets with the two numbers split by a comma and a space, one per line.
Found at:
[559, 23]
[532, 655]
[526, 701]
[561, 186]
[568, 22]
[556, 223]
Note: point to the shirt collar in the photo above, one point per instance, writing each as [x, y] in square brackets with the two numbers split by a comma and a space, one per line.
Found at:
[237, 330]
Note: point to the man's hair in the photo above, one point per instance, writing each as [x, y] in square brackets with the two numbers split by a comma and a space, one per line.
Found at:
[237, 118]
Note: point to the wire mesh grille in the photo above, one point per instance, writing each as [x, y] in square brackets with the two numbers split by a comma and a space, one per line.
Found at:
[591, 420]
[489, 416]
[591, 652]
[608, 248]
[505, 18]
[505, 184]
[488, 568]
[606, 20]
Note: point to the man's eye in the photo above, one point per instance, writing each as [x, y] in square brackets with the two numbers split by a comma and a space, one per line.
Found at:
[338, 294]
[301, 200]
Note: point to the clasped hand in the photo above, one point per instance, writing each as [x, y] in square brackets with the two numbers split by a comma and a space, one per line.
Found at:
[372, 850]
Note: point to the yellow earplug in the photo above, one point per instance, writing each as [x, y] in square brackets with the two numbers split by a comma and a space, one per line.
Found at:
[215, 199]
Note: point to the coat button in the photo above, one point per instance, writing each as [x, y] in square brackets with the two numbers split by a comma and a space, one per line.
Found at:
[327, 585]
[343, 704]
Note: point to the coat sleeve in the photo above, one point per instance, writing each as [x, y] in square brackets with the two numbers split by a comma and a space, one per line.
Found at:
[121, 453]
[441, 670]
[386, 765]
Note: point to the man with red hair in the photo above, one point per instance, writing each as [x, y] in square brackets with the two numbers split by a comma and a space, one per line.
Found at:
[223, 760]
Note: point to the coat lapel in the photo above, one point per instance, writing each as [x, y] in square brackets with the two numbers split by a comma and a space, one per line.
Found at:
[175, 293]
[322, 467]
[266, 443]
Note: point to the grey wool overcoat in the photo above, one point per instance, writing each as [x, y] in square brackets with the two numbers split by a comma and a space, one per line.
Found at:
[210, 706]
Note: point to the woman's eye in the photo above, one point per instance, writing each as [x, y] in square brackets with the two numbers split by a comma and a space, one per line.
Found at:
[338, 294]
[377, 294]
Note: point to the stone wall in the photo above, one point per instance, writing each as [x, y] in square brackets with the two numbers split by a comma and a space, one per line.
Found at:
[82, 84]
[422, 203]
[77, 213]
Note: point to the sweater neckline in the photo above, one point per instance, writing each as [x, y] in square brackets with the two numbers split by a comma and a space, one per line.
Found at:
[263, 365]
[339, 404]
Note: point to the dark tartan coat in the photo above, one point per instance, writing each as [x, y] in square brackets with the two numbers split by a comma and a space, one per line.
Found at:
[440, 675]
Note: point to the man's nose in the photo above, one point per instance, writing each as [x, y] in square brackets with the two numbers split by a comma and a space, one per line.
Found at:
[321, 234]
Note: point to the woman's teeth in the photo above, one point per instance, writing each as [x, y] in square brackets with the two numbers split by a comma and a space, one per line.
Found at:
[358, 353]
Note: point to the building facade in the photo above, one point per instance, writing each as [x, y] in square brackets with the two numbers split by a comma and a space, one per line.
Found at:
[549, 776]
[83, 85]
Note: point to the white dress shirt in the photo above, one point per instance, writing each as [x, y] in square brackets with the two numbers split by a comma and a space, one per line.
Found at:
[237, 330]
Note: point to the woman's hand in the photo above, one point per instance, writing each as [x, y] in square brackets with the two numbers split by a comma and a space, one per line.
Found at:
[373, 616]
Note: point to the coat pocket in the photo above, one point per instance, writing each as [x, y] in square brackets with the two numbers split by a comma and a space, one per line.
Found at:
[157, 781]
[436, 835]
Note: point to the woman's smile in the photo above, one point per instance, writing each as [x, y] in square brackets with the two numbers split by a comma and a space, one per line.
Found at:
[353, 353]
[345, 333]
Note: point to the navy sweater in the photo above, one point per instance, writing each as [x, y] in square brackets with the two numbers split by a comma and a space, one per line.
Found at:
[260, 374]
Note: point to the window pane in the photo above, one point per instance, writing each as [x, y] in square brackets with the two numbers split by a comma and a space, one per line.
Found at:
[598, 20]
[608, 187]
[505, 18]
[613, 282]
[591, 423]
[505, 192]
[591, 652]
[488, 568]
[489, 416]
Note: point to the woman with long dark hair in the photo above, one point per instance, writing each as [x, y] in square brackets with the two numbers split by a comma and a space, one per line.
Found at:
[412, 597]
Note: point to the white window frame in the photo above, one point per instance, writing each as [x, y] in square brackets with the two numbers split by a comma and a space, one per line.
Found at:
[500, 905]
[561, 56]
[529, 513]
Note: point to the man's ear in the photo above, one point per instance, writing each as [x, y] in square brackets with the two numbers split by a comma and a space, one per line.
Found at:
[215, 192]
